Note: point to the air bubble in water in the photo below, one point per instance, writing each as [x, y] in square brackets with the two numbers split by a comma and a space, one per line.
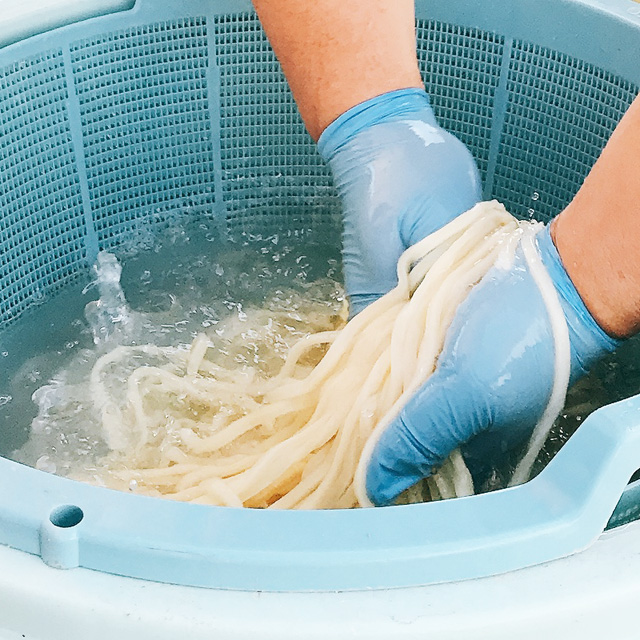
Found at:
[44, 463]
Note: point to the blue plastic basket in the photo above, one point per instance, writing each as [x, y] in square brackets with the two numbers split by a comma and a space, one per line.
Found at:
[127, 117]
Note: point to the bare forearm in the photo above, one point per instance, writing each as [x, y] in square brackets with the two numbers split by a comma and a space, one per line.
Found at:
[339, 53]
[598, 234]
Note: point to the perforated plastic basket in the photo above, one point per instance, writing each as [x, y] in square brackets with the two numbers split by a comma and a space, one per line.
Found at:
[123, 119]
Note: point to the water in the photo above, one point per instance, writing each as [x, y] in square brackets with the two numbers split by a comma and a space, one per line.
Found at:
[187, 283]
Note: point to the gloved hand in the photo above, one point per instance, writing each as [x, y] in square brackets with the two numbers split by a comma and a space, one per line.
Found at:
[400, 177]
[493, 379]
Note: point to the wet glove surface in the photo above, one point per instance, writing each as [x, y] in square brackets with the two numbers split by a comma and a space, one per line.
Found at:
[493, 379]
[400, 177]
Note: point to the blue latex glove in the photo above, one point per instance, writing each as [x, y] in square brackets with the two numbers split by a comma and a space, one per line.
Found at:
[493, 379]
[400, 177]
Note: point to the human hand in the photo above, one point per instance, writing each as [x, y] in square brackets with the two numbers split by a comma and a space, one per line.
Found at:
[494, 376]
[400, 177]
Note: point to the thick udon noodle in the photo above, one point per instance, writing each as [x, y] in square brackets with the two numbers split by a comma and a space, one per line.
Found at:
[301, 437]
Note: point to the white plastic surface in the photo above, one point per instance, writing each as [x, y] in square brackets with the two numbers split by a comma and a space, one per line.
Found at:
[593, 594]
[22, 18]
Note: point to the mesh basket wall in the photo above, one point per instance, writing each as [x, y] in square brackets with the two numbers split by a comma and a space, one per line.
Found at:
[41, 220]
[143, 106]
[272, 177]
[116, 132]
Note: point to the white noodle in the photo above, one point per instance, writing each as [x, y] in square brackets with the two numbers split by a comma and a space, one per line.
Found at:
[301, 437]
[562, 358]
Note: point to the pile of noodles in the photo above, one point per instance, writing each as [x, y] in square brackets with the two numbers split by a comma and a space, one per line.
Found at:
[300, 435]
